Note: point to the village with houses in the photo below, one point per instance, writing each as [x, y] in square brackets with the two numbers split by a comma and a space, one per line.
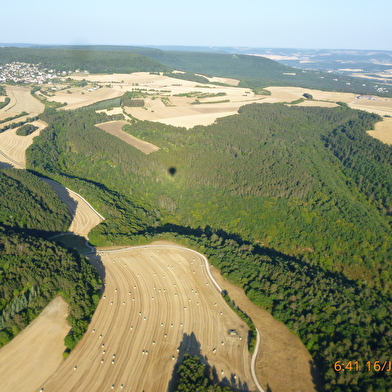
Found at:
[19, 72]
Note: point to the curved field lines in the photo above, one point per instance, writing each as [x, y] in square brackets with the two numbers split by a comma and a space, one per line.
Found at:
[21, 101]
[159, 303]
[30, 358]
[85, 217]
[13, 147]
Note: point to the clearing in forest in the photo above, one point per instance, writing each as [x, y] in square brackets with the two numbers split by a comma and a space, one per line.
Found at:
[115, 129]
[159, 303]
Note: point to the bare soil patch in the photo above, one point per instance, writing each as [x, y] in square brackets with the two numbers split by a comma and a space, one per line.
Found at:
[115, 128]
[35, 354]
[159, 304]
[283, 362]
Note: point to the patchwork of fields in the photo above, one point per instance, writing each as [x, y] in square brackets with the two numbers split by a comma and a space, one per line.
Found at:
[159, 302]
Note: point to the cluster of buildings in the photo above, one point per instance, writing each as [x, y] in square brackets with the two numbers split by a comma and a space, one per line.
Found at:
[26, 73]
[18, 72]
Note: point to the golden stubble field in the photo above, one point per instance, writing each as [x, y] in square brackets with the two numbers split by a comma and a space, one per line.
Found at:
[13, 147]
[29, 359]
[21, 101]
[84, 216]
[159, 303]
[180, 111]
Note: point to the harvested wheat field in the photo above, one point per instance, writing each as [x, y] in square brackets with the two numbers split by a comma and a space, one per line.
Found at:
[115, 129]
[283, 363]
[84, 97]
[382, 106]
[31, 357]
[14, 146]
[383, 130]
[159, 303]
[289, 94]
[178, 110]
[21, 101]
[85, 217]
[181, 112]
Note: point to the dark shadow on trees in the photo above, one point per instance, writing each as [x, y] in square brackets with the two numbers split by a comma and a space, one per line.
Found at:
[172, 171]
[95, 259]
[4, 165]
[191, 346]
[26, 232]
[316, 377]
[292, 262]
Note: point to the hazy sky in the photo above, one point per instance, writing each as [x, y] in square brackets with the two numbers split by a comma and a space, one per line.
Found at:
[317, 24]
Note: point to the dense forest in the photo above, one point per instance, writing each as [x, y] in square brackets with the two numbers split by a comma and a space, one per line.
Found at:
[273, 181]
[34, 270]
[193, 376]
[271, 196]
[27, 202]
[91, 60]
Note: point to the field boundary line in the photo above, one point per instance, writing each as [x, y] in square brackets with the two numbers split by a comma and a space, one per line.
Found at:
[207, 264]
[77, 194]
[11, 160]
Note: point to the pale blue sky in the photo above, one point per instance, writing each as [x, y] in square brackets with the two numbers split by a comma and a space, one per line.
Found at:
[315, 24]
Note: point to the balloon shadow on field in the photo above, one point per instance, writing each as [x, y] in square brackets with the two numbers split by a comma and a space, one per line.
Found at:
[192, 347]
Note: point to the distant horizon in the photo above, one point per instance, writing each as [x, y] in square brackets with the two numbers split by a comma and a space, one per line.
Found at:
[27, 44]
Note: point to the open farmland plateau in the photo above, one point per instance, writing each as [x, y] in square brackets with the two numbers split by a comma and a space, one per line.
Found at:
[178, 106]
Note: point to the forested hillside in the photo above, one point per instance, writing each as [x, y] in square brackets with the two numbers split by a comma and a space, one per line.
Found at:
[33, 270]
[273, 195]
[264, 174]
[27, 202]
[82, 59]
